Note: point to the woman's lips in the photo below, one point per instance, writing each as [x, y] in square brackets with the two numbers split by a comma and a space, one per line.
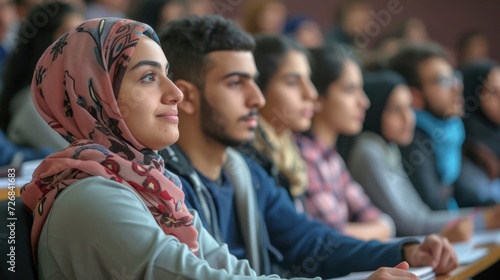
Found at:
[170, 116]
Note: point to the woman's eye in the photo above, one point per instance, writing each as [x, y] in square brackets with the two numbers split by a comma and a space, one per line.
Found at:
[292, 82]
[170, 75]
[149, 78]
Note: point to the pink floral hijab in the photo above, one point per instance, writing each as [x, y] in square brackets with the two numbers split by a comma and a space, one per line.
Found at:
[75, 89]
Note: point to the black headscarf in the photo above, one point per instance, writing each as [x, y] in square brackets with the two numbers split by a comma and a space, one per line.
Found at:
[378, 87]
[478, 127]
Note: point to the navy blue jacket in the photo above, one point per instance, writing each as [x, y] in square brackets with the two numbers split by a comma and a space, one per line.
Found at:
[299, 246]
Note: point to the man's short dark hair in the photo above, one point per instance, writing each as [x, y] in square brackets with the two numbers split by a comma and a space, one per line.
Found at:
[188, 40]
[408, 60]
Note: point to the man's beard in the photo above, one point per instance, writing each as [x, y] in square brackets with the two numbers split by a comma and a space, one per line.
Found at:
[214, 125]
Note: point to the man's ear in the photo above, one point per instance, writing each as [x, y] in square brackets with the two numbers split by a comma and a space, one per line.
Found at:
[418, 98]
[190, 103]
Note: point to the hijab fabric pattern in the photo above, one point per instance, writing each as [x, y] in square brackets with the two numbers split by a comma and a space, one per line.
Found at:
[75, 89]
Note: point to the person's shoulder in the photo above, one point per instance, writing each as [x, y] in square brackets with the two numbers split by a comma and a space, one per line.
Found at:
[254, 167]
[260, 176]
[420, 139]
[94, 191]
[420, 134]
[369, 143]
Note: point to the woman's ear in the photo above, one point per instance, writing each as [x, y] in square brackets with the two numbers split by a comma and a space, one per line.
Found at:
[318, 104]
[190, 103]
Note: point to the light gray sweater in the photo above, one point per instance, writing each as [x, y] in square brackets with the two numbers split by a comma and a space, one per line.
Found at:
[100, 229]
[377, 166]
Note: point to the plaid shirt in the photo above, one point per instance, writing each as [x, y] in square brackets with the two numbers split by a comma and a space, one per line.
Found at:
[332, 197]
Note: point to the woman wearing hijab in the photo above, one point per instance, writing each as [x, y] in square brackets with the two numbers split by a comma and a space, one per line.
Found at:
[375, 162]
[479, 182]
[105, 207]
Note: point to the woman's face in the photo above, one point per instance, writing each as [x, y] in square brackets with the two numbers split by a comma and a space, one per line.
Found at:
[290, 95]
[169, 12]
[345, 103]
[272, 18]
[398, 118]
[490, 96]
[148, 98]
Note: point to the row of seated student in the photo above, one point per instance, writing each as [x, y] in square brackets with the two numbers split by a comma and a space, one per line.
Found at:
[337, 211]
[268, 17]
[335, 198]
[107, 204]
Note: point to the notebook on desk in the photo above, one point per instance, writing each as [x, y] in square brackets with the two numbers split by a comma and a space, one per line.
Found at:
[424, 273]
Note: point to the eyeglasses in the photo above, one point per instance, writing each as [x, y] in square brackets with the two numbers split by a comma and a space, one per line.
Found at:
[447, 82]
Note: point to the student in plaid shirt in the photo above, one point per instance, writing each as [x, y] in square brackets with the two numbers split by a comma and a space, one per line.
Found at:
[332, 195]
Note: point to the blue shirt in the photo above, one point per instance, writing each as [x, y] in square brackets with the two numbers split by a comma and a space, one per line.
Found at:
[226, 211]
[308, 248]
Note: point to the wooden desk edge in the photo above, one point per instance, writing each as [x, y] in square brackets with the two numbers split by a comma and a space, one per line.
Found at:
[470, 270]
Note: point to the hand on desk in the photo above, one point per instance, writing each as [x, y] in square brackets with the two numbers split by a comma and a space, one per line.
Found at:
[492, 217]
[435, 251]
[398, 272]
[460, 230]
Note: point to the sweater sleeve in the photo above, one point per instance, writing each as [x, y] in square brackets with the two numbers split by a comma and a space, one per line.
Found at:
[26, 122]
[392, 191]
[310, 248]
[419, 163]
[100, 229]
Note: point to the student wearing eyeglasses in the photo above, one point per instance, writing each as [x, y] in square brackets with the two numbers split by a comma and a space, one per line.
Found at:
[433, 159]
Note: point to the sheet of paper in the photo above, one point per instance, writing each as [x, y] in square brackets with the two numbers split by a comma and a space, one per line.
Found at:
[424, 273]
[487, 237]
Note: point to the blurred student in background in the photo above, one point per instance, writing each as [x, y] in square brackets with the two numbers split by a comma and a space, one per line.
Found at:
[473, 46]
[18, 116]
[284, 79]
[106, 8]
[8, 18]
[157, 13]
[332, 196]
[264, 16]
[305, 31]
[433, 159]
[479, 182]
[375, 162]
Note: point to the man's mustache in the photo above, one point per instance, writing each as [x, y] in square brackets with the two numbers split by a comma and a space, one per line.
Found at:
[249, 115]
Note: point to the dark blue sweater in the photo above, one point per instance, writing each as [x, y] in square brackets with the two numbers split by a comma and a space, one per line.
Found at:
[308, 248]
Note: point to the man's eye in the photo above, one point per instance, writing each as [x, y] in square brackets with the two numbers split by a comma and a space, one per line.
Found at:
[235, 83]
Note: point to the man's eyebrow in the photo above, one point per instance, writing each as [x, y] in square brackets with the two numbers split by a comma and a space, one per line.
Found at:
[147, 63]
[241, 74]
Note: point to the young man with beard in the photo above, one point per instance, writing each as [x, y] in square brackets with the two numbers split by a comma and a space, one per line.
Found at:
[212, 64]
